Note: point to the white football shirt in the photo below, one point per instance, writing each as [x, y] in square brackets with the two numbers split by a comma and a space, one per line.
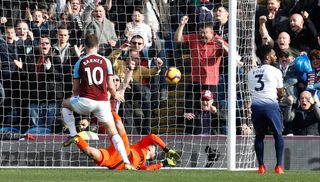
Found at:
[263, 82]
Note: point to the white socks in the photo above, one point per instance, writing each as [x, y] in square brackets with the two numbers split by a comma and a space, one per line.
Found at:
[69, 120]
[118, 144]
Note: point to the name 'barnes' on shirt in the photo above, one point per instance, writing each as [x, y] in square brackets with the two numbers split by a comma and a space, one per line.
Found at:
[92, 61]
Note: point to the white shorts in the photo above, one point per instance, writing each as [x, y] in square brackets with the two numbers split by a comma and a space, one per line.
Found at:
[100, 109]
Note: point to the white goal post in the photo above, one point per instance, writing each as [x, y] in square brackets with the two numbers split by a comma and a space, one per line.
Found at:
[235, 11]
[232, 96]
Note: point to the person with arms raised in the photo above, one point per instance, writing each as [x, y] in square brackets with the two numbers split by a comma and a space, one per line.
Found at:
[207, 49]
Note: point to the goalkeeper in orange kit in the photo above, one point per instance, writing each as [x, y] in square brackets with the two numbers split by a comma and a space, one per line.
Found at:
[138, 153]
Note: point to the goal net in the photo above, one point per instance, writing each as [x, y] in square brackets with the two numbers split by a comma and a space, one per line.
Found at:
[31, 100]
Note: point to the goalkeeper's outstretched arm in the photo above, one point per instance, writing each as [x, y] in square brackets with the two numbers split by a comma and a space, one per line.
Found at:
[154, 139]
[163, 163]
[171, 155]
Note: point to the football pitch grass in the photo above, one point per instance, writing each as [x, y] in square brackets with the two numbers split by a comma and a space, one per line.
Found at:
[174, 175]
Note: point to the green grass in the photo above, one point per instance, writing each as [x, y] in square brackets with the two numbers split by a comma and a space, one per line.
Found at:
[97, 175]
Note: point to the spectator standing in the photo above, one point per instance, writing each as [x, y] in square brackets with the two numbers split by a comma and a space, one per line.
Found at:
[265, 84]
[221, 25]
[148, 68]
[95, 22]
[140, 74]
[74, 12]
[157, 18]
[290, 84]
[125, 69]
[68, 56]
[131, 109]
[11, 50]
[43, 86]
[158, 83]
[207, 49]
[221, 15]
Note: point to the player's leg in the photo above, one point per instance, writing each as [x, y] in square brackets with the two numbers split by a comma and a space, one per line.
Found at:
[259, 147]
[68, 118]
[260, 126]
[104, 115]
[279, 146]
[92, 152]
[118, 123]
[79, 105]
[122, 131]
[277, 128]
[116, 140]
[118, 144]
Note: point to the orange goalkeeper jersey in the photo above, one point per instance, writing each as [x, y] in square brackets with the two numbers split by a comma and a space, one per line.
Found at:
[136, 153]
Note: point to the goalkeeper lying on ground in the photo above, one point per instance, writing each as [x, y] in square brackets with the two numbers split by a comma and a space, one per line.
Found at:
[138, 153]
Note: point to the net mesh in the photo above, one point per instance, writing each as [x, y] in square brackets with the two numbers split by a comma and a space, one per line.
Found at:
[161, 110]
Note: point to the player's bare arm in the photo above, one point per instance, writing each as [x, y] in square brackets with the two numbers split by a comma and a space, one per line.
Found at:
[280, 93]
[75, 87]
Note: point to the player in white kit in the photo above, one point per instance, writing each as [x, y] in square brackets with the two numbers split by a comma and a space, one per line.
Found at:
[266, 88]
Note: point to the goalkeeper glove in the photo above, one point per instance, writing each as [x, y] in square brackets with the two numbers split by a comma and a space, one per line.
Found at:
[169, 162]
[171, 154]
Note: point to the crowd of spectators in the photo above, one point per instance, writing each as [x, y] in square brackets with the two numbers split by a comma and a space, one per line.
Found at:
[292, 29]
[40, 41]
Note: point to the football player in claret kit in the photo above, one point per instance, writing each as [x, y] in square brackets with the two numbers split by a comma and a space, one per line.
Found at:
[93, 80]
[266, 88]
[138, 153]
